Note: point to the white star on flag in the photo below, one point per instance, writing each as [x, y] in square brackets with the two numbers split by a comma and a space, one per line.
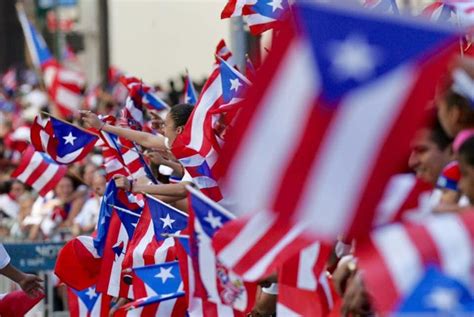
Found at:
[215, 222]
[69, 138]
[353, 58]
[167, 221]
[164, 274]
[91, 293]
[275, 4]
[444, 299]
[235, 84]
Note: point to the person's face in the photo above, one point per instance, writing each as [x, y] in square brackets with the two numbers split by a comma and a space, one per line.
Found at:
[98, 184]
[448, 117]
[170, 129]
[64, 189]
[17, 190]
[89, 171]
[426, 159]
[466, 183]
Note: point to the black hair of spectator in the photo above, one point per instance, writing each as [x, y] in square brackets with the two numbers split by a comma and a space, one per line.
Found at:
[454, 100]
[5, 186]
[439, 136]
[466, 151]
[180, 113]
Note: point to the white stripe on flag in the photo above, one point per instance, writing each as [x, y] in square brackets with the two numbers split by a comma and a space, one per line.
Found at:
[207, 264]
[400, 256]
[35, 161]
[113, 286]
[249, 163]
[204, 182]
[454, 246]
[258, 269]
[211, 95]
[308, 258]
[136, 113]
[130, 156]
[45, 177]
[138, 252]
[68, 98]
[257, 227]
[255, 19]
[70, 77]
[66, 159]
[282, 310]
[358, 118]
[96, 311]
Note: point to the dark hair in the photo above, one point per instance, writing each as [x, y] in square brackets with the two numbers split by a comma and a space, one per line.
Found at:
[466, 151]
[180, 113]
[439, 136]
[466, 119]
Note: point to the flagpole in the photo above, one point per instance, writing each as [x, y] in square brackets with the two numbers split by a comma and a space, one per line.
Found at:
[175, 235]
[124, 210]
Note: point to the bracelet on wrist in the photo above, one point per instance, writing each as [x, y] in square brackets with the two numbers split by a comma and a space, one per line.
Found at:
[131, 186]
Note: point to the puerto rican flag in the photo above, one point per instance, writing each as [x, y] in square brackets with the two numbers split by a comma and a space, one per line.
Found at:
[303, 285]
[88, 303]
[78, 263]
[118, 217]
[223, 51]
[464, 10]
[307, 188]
[382, 6]
[264, 15]
[234, 8]
[395, 256]
[121, 157]
[64, 85]
[139, 96]
[405, 195]
[198, 134]
[233, 82]
[39, 171]
[213, 282]
[149, 247]
[190, 95]
[62, 141]
[438, 11]
[164, 280]
[17, 303]
[261, 15]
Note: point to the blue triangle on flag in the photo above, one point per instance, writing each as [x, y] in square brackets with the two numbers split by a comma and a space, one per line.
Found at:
[209, 214]
[438, 293]
[166, 219]
[70, 138]
[163, 278]
[88, 297]
[354, 47]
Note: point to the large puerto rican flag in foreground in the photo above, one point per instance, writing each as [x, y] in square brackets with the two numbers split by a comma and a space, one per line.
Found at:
[314, 146]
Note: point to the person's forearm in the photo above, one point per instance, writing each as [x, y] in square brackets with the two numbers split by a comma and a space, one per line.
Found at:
[143, 138]
[175, 190]
[12, 273]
